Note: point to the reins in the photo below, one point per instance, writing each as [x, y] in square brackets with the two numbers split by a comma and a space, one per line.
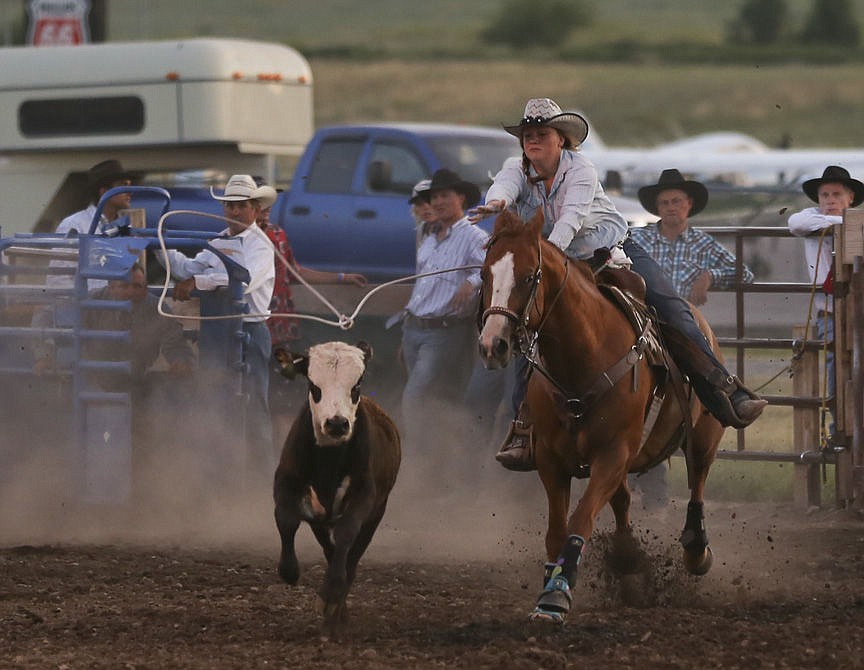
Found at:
[527, 342]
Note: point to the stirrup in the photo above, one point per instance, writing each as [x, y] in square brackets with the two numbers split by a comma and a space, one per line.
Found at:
[726, 411]
[517, 452]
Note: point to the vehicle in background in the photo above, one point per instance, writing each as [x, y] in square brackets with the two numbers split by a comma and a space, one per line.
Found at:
[347, 206]
[719, 159]
[159, 107]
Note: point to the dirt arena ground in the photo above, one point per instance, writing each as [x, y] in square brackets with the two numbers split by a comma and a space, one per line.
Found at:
[447, 582]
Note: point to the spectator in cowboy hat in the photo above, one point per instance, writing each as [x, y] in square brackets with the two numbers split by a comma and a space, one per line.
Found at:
[693, 260]
[580, 218]
[834, 192]
[242, 201]
[421, 208]
[100, 178]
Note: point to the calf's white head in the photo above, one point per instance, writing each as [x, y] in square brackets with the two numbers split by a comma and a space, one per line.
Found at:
[334, 370]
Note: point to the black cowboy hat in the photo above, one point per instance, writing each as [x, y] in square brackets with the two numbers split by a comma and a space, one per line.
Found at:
[106, 173]
[834, 174]
[673, 179]
[447, 179]
[540, 112]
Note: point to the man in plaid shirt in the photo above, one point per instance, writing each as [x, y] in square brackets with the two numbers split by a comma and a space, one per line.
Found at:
[694, 260]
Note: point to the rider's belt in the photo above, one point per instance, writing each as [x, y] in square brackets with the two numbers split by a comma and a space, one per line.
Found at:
[433, 322]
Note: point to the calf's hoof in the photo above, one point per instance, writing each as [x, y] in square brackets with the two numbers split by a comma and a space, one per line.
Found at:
[289, 572]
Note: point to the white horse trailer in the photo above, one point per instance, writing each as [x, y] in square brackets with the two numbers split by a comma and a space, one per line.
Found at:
[161, 108]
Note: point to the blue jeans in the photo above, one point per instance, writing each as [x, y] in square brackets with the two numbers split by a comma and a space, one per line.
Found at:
[258, 431]
[660, 295]
[675, 311]
[437, 360]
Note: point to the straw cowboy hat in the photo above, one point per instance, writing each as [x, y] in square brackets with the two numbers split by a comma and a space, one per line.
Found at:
[540, 112]
[834, 174]
[444, 179]
[243, 187]
[670, 179]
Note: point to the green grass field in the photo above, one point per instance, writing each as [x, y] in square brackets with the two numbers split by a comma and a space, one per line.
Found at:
[815, 106]
[430, 66]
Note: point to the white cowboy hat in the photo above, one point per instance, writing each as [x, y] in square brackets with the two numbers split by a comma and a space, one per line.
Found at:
[243, 187]
[541, 112]
[420, 191]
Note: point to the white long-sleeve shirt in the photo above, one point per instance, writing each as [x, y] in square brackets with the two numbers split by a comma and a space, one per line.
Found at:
[255, 254]
[579, 216]
[80, 222]
[817, 251]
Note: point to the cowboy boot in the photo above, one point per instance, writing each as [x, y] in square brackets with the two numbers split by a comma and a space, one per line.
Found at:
[722, 394]
[517, 451]
[736, 405]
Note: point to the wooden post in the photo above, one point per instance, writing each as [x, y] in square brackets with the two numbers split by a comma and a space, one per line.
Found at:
[807, 490]
[849, 252]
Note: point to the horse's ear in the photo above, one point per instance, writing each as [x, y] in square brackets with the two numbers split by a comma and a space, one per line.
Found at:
[505, 216]
[535, 225]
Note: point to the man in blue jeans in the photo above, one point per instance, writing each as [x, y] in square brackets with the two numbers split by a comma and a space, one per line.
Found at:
[438, 324]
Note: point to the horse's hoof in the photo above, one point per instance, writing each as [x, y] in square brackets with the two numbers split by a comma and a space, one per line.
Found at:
[554, 601]
[547, 616]
[701, 564]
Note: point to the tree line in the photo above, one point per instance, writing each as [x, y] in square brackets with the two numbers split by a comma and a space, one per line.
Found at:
[549, 23]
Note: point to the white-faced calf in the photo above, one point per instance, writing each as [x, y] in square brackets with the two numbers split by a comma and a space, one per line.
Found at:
[337, 469]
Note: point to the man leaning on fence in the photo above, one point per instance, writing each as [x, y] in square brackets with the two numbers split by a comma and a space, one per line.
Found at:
[692, 259]
[834, 192]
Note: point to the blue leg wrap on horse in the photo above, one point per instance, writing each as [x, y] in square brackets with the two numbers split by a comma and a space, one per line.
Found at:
[571, 556]
[555, 599]
[694, 538]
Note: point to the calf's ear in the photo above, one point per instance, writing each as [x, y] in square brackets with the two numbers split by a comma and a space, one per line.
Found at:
[366, 349]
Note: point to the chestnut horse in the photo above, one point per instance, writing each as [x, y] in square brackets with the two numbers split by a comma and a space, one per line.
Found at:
[588, 397]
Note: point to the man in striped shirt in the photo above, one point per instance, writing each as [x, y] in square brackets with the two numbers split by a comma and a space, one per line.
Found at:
[438, 324]
[694, 260]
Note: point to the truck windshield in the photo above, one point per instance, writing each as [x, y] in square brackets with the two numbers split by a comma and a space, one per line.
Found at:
[475, 159]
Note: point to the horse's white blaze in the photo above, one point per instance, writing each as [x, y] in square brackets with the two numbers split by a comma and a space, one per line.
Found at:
[335, 368]
[503, 281]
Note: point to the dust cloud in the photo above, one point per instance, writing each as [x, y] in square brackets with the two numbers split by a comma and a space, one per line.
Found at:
[452, 504]
[185, 485]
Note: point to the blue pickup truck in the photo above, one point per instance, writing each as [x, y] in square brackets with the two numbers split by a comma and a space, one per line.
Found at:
[347, 207]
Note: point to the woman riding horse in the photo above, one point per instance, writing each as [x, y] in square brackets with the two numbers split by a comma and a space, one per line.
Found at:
[605, 400]
[580, 218]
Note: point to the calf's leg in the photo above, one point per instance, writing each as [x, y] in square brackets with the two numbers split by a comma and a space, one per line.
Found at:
[287, 515]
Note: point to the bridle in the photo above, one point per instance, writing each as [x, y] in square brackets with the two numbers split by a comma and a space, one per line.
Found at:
[527, 341]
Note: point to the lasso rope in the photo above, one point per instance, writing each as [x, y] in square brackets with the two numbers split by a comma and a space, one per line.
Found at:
[824, 433]
[345, 322]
